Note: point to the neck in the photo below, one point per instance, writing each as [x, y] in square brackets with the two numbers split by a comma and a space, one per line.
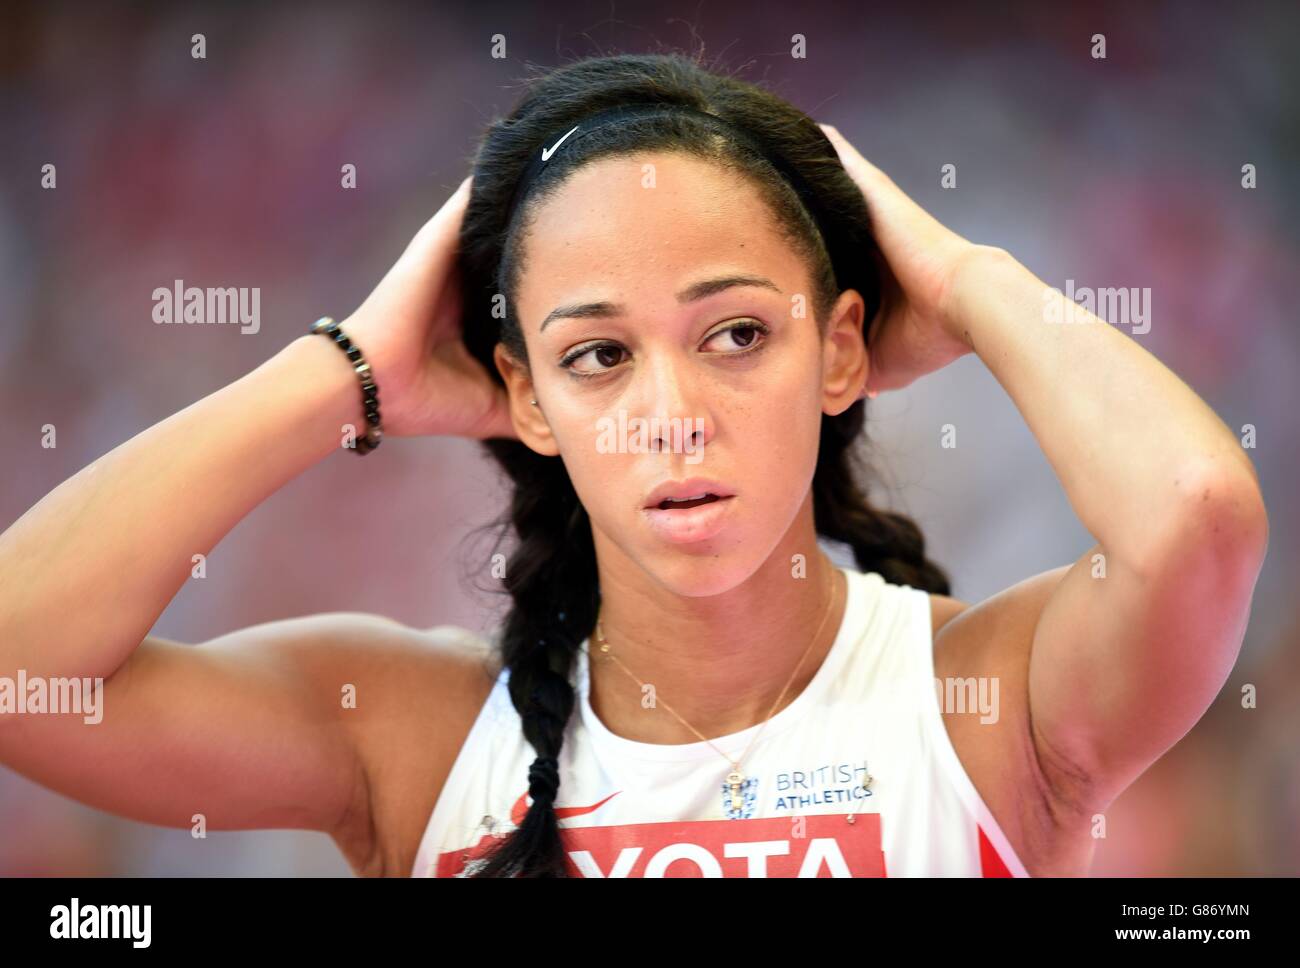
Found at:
[720, 661]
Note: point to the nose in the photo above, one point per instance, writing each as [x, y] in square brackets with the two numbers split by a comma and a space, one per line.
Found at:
[675, 391]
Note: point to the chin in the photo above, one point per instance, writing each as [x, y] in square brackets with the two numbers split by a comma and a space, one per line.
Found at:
[705, 568]
[700, 575]
[730, 553]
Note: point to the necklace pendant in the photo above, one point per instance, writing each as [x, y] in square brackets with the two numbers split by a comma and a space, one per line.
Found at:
[735, 780]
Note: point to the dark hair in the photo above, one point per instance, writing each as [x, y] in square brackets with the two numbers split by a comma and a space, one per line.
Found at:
[551, 575]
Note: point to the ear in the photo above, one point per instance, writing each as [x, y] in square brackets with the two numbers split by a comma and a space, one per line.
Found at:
[529, 421]
[846, 362]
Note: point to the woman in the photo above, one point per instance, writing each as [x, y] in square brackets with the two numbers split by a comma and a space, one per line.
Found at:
[685, 683]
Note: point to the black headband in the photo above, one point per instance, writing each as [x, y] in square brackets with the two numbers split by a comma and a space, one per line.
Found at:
[564, 139]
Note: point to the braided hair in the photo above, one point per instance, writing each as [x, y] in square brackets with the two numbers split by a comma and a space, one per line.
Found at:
[551, 576]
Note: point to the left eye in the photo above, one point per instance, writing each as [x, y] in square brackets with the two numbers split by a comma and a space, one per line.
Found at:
[750, 328]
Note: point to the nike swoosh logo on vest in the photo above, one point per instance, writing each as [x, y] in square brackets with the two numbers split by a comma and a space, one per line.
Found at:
[521, 807]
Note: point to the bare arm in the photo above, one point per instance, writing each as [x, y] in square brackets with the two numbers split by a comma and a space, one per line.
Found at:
[1121, 662]
[237, 732]
[250, 729]
[117, 538]
[1124, 660]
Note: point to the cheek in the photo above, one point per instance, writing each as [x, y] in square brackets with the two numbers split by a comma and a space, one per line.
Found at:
[603, 477]
[780, 452]
[792, 398]
[781, 438]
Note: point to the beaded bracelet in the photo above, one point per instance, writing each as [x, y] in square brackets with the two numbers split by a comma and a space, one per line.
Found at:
[369, 389]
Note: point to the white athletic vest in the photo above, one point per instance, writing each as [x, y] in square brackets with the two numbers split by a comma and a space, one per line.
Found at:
[631, 809]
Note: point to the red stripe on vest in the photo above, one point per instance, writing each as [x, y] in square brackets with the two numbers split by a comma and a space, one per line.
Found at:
[991, 864]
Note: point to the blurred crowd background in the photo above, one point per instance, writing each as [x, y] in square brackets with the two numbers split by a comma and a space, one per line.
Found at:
[225, 171]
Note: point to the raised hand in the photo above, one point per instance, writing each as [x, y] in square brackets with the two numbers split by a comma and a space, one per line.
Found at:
[409, 329]
[916, 331]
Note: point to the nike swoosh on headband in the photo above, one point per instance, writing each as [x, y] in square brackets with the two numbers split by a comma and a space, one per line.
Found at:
[547, 152]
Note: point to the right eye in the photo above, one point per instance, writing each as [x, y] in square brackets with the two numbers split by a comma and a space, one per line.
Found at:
[596, 348]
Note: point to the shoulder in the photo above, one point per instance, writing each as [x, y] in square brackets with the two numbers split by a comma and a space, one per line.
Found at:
[410, 696]
[376, 647]
[1005, 620]
[942, 610]
[381, 667]
[1037, 805]
[459, 645]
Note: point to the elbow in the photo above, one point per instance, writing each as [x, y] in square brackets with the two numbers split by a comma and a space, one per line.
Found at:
[1217, 525]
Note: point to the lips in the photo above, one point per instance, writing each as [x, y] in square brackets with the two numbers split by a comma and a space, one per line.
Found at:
[693, 510]
[669, 504]
[695, 524]
[684, 495]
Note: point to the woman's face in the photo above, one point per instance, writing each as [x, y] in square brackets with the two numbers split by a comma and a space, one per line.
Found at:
[671, 336]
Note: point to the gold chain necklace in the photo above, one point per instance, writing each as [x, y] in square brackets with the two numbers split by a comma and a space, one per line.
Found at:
[735, 779]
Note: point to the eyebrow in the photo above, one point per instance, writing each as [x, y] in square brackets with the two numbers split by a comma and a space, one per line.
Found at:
[692, 293]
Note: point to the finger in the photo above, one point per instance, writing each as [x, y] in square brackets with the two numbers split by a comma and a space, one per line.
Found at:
[443, 223]
[430, 255]
[893, 213]
[848, 154]
[878, 187]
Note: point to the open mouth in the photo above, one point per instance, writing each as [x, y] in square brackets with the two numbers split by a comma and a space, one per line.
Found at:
[693, 502]
[692, 518]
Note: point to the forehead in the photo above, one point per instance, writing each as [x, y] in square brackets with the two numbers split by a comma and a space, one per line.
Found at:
[635, 225]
